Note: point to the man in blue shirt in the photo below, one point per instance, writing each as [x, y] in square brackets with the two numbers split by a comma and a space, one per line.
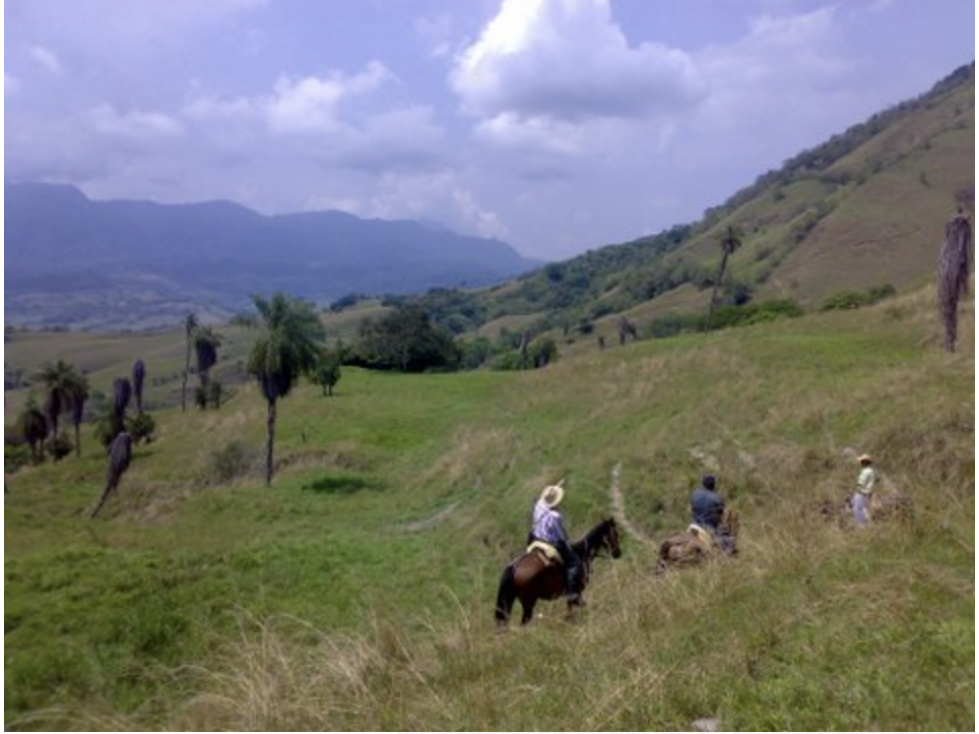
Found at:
[548, 526]
[707, 511]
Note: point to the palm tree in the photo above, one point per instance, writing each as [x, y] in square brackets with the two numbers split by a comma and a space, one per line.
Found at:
[953, 275]
[57, 379]
[190, 326]
[206, 344]
[729, 243]
[78, 394]
[139, 375]
[33, 426]
[122, 392]
[286, 347]
[120, 456]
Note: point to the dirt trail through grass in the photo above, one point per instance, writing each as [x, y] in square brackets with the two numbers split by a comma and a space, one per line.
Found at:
[618, 509]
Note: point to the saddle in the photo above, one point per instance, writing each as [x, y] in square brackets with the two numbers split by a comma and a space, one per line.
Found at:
[546, 552]
[702, 534]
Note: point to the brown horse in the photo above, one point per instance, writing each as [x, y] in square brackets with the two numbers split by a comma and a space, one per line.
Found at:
[690, 547]
[530, 578]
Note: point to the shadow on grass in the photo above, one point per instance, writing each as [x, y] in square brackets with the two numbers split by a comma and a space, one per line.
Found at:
[341, 484]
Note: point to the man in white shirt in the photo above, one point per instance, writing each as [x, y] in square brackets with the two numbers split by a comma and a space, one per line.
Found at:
[864, 490]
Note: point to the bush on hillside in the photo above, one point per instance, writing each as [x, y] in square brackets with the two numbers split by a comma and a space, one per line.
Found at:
[59, 447]
[141, 427]
[15, 457]
[848, 300]
[230, 462]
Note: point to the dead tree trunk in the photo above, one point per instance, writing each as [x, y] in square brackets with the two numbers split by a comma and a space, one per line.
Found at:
[953, 276]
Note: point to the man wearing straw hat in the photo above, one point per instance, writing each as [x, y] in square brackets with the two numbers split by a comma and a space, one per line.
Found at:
[864, 490]
[548, 527]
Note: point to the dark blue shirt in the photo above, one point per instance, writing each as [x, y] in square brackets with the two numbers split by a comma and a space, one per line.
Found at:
[706, 507]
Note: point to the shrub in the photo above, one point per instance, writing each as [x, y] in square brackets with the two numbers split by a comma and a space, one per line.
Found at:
[141, 428]
[59, 447]
[14, 457]
[846, 300]
[232, 461]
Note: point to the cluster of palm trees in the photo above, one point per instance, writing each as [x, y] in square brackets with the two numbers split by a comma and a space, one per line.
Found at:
[65, 391]
[288, 345]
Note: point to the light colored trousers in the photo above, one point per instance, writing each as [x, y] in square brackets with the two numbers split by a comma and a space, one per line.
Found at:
[861, 508]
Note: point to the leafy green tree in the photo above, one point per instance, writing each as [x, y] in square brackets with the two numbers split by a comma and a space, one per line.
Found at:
[729, 245]
[287, 347]
[327, 372]
[406, 339]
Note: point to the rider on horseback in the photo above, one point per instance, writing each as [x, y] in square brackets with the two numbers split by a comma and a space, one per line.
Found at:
[707, 509]
[548, 527]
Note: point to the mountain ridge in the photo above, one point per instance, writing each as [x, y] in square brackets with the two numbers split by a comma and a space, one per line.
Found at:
[213, 254]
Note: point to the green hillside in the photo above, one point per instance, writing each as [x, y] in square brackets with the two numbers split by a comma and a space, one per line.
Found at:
[864, 209]
[357, 592]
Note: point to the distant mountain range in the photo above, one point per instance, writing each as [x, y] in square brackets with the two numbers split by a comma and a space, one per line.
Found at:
[109, 264]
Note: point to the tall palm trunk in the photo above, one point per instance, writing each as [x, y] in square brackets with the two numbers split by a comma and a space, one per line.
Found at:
[717, 285]
[269, 442]
[183, 389]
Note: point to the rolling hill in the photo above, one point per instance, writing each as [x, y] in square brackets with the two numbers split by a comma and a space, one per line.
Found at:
[75, 262]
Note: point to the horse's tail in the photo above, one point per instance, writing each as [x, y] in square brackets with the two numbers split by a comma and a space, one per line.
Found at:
[506, 595]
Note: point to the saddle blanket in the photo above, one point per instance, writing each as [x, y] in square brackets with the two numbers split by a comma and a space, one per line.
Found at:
[546, 551]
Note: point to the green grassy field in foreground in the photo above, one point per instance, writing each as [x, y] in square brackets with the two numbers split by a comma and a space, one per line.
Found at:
[357, 592]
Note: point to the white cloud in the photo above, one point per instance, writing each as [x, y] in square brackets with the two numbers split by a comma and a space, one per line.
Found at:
[438, 196]
[314, 117]
[46, 59]
[568, 60]
[135, 124]
[782, 58]
[11, 85]
[309, 105]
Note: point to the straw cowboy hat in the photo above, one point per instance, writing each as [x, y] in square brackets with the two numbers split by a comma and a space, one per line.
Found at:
[552, 496]
[865, 459]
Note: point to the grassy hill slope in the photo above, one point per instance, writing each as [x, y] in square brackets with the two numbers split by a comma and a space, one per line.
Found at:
[865, 208]
[357, 592]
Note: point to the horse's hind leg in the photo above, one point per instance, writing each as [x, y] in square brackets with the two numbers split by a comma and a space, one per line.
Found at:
[528, 611]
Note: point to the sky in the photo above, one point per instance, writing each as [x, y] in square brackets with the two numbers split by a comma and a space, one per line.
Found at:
[557, 126]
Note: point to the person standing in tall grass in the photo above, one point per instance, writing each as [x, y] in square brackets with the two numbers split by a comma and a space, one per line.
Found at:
[864, 490]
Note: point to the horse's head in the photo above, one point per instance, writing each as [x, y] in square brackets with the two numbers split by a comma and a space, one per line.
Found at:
[731, 520]
[611, 539]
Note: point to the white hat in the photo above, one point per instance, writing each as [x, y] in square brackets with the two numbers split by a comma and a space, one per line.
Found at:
[552, 496]
[865, 458]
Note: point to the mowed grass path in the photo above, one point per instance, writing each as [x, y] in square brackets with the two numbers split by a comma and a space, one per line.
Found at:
[398, 501]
